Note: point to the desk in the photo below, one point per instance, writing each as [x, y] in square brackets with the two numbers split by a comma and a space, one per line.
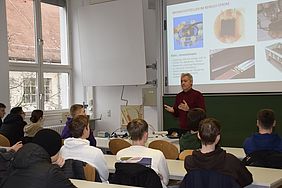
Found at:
[238, 152]
[263, 177]
[103, 143]
[91, 184]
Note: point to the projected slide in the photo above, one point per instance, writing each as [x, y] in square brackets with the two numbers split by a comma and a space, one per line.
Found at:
[225, 42]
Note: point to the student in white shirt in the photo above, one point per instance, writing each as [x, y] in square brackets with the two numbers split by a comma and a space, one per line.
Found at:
[138, 131]
[78, 147]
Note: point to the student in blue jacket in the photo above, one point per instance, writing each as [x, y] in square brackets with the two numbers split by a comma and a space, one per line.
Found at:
[265, 138]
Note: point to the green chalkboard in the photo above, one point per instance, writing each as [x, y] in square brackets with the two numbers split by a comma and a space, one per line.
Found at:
[237, 114]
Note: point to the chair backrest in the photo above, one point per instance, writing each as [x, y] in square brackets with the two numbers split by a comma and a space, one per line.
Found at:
[184, 153]
[201, 178]
[169, 150]
[80, 170]
[117, 144]
[4, 141]
[135, 174]
[264, 158]
[89, 172]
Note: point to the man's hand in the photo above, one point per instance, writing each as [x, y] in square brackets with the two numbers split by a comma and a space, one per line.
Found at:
[183, 106]
[169, 108]
[16, 146]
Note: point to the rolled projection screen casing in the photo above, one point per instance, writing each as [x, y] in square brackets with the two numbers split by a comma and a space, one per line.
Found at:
[228, 46]
[111, 39]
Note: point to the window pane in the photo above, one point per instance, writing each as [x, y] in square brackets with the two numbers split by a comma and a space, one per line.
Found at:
[53, 32]
[57, 94]
[20, 23]
[23, 89]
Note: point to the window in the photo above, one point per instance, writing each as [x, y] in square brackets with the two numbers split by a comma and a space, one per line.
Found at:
[29, 93]
[37, 46]
[23, 89]
[55, 91]
[47, 89]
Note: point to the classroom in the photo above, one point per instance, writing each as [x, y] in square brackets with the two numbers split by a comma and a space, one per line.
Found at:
[123, 59]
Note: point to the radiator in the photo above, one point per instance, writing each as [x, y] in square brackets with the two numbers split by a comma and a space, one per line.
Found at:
[57, 128]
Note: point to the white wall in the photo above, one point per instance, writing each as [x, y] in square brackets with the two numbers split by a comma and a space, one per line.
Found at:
[109, 98]
[4, 66]
[78, 89]
[105, 98]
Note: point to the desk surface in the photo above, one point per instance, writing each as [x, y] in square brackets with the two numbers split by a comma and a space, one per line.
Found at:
[265, 177]
[91, 184]
[104, 143]
[238, 152]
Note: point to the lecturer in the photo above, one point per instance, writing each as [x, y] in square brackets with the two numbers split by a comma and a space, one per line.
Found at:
[185, 100]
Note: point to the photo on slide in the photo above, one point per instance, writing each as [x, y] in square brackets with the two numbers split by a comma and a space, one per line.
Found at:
[188, 32]
[274, 55]
[269, 20]
[232, 63]
[229, 26]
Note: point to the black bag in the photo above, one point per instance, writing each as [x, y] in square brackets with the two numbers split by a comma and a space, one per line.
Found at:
[264, 158]
[134, 174]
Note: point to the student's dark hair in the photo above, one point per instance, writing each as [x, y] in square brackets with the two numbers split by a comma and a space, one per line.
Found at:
[16, 110]
[209, 129]
[2, 105]
[77, 125]
[136, 128]
[266, 118]
[74, 108]
[36, 115]
[194, 116]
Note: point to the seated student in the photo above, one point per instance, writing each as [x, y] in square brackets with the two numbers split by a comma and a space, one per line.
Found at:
[265, 139]
[190, 140]
[2, 112]
[138, 132]
[78, 148]
[211, 157]
[32, 166]
[76, 110]
[35, 125]
[13, 125]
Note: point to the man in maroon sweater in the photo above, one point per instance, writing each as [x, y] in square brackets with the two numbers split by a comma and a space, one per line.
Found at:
[185, 100]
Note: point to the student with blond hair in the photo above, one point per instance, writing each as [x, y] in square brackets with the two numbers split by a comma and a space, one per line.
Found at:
[138, 132]
[76, 110]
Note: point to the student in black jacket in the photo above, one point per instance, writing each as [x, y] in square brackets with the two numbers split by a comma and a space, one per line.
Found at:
[212, 157]
[2, 112]
[12, 127]
[32, 166]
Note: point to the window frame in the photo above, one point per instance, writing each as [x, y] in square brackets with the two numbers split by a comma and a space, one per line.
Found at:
[39, 67]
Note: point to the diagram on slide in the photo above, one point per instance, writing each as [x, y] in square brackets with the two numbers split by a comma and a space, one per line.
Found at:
[188, 32]
[269, 20]
[274, 55]
[229, 26]
[232, 63]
